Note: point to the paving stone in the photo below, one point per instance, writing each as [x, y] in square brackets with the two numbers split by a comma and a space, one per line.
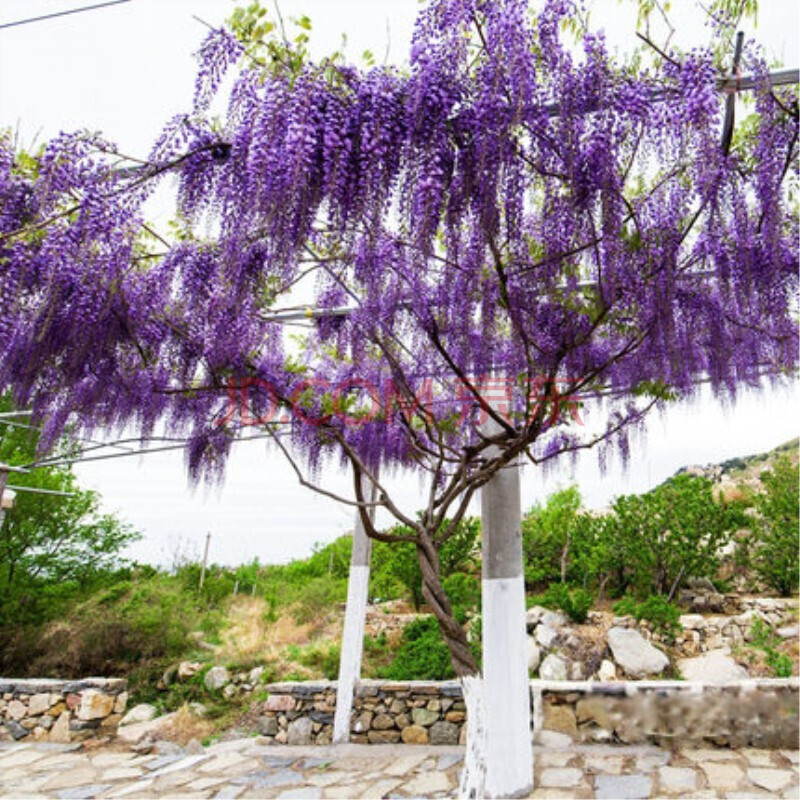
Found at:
[311, 793]
[677, 779]
[313, 763]
[622, 787]
[345, 792]
[404, 764]
[221, 762]
[80, 776]
[560, 778]
[792, 755]
[140, 788]
[20, 757]
[773, 780]
[427, 783]
[278, 761]
[205, 783]
[121, 773]
[81, 792]
[113, 759]
[447, 761]
[228, 793]
[723, 776]
[285, 777]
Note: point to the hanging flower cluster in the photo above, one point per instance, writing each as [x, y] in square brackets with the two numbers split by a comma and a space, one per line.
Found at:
[508, 206]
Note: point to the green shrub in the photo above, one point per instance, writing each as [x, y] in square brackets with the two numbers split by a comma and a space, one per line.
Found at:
[422, 655]
[663, 616]
[763, 637]
[669, 534]
[575, 603]
[464, 591]
[774, 548]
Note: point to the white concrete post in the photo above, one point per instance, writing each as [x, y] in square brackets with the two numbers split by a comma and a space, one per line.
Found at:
[506, 692]
[354, 619]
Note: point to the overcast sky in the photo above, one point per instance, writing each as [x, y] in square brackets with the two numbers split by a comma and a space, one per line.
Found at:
[124, 70]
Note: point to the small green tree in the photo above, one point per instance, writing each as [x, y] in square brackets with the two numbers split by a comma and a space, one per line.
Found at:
[774, 549]
[671, 533]
[51, 547]
[547, 532]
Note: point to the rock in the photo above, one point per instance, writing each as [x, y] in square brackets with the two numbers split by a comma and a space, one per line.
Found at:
[169, 677]
[130, 734]
[38, 704]
[216, 678]
[553, 668]
[546, 636]
[692, 622]
[383, 737]
[773, 780]
[559, 718]
[299, 731]
[16, 730]
[382, 722]
[789, 632]
[700, 585]
[95, 705]
[267, 726]
[186, 670]
[363, 722]
[607, 671]
[143, 712]
[255, 675]
[444, 733]
[534, 655]
[16, 710]
[533, 616]
[120, 703]
[423, 717]
[198, 709]
[60, 730]
[555, 619]
[280, 702]
[415, 734]
[230, 691]
[635, 654]
[560, 778]
[715, 666]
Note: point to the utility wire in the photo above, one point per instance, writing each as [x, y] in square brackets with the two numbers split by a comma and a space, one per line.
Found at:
[62, 13]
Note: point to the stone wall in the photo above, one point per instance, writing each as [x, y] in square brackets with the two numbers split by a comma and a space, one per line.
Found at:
[60, 711]
[760, 713]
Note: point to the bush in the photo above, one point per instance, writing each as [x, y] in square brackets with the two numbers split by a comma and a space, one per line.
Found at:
[423, 655]
[575, 603]
[663, 616]
[774, 549]
[762, 637]
[669, 534]
[464, 592]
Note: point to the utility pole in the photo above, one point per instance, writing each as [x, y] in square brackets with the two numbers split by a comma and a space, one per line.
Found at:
[205, 560]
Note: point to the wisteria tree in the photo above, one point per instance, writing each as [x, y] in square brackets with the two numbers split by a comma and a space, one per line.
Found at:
[494, 236]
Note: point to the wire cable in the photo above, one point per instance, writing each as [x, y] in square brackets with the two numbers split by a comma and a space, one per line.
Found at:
[62, 13]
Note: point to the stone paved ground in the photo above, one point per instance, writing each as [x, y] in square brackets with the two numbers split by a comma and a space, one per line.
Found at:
[248, 768]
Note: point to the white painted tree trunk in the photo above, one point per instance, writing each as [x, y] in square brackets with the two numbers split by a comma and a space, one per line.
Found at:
[354, 619]
[473, 776]
[507, 748]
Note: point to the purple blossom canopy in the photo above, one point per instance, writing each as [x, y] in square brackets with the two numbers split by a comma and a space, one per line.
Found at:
[508, 205]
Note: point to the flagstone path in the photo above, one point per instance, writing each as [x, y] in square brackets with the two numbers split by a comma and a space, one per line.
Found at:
[247, 768]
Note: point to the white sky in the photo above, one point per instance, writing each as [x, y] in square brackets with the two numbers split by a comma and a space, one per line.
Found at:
[124, 70]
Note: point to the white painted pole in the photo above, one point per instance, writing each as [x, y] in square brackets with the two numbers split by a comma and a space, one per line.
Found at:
[354, 619]
[205, 561]
[506, 695]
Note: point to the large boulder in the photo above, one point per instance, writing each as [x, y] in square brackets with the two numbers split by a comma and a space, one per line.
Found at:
[546, 636]
[534, 655]
[635, 654]
[143, 712]
[716, 666]
[553, 668]
[216, 678]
